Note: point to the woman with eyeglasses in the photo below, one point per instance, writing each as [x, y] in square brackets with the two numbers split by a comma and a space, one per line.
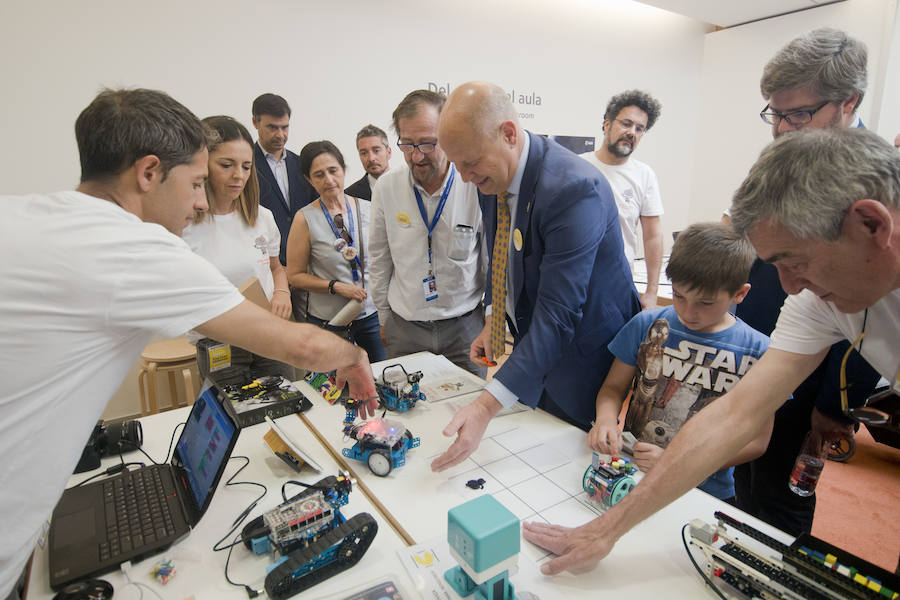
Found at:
[327, 251]
[241, 239]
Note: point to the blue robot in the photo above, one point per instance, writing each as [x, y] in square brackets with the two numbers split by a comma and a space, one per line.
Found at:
[484, 539]
[399, 391]
[314, 539]
[380, 443]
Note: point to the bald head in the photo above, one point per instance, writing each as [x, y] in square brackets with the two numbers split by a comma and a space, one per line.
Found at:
[479, 131]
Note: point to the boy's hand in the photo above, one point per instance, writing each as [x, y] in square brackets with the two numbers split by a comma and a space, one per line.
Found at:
[646, 455]
[605, 438]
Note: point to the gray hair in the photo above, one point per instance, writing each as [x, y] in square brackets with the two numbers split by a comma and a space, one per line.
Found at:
[806, 181]
[827, 61]
[372, 131]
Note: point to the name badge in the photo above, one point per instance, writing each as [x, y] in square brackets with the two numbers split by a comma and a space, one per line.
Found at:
[429, 287]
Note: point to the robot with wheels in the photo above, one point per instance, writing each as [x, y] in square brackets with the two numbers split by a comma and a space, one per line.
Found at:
[314, 539]
[607, 483]
[380, 443]
[399, 392]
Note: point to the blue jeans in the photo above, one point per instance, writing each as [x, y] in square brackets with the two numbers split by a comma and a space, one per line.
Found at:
[364, 332]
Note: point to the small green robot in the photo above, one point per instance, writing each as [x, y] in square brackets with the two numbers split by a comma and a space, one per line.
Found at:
[484, 539]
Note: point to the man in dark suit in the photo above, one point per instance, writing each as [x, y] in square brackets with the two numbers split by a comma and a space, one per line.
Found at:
[559, 253]
[375, 155]
[282, 189]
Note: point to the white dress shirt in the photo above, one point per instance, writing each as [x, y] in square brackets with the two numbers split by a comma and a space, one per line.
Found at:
[398, 249]
[279, 169]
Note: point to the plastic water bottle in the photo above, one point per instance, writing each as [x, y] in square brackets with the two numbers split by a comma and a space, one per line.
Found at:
[809, 464]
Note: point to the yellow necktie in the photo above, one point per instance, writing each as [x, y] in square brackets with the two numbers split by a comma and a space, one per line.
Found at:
[498, 279]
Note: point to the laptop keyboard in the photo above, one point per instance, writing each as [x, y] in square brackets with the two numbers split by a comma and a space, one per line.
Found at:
[137, 513]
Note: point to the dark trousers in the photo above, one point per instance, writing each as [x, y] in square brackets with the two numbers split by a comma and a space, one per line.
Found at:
[245, 365]
[364, 332]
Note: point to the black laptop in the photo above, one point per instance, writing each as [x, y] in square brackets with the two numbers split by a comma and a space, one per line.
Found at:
[98, 526]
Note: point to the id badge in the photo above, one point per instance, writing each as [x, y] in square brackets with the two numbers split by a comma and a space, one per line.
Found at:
[429, 287]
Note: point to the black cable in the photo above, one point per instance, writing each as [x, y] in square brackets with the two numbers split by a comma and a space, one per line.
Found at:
[294, 482]
[113, 470]
[172, 441]
[239, 520]
[696, 566]
[244, 513]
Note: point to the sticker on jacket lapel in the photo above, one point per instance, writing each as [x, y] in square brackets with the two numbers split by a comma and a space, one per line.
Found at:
[403, 219]
[517, 239]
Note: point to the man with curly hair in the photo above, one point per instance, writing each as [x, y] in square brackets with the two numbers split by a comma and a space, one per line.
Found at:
[627, 118]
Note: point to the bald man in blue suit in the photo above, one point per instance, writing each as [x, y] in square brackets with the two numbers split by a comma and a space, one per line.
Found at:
[569, 285]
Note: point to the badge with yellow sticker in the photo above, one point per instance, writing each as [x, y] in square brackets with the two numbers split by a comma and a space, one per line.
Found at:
[403, 219]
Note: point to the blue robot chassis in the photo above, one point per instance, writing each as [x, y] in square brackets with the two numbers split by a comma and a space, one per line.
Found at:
[399, 393]
[314, 539]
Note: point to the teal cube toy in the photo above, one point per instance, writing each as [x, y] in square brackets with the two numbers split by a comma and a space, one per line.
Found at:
[484, 539]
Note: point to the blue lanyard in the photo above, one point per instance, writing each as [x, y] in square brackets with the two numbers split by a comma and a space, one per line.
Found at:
[437, 213]
[337, 234]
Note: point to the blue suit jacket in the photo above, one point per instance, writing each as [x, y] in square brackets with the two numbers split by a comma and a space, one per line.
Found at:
[270, 195]
[571, 284]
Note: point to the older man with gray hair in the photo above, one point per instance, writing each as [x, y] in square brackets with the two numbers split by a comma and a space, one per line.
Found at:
[823, 207]
[816, 81]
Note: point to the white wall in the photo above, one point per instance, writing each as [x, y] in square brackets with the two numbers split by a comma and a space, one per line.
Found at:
[730, 134]
[341, 65]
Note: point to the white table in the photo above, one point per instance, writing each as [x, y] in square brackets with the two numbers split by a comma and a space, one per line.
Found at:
[648, 562]
[199, 569]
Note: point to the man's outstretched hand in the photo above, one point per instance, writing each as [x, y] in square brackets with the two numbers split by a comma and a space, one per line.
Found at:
[577, 549]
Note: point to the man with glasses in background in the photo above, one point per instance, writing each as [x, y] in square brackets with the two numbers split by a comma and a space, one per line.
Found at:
[628, 117]
[375, 155]
[427, 254]
[814, 82]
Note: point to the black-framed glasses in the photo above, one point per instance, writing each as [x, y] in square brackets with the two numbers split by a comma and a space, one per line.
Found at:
[628, 124]
[795, 118]
[424, 147]
[339, 223]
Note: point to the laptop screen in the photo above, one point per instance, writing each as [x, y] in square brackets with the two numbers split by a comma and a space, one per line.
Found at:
[205, 444]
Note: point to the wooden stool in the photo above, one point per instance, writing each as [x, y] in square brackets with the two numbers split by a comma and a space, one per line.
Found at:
[172, 357]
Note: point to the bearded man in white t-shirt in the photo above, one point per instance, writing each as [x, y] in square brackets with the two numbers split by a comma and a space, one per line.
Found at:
[823, 206]
[91, 276]
[628, 117]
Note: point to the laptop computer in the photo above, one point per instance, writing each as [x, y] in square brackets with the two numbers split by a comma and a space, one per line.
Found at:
[138, 513]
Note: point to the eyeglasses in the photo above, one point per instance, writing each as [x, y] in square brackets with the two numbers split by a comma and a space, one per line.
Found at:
[794, 118]
[628, 124]
[424, 148]
[339, 223]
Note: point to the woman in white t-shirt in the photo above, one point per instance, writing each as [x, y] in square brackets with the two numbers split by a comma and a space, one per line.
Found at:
[328, 252]
[240, 238]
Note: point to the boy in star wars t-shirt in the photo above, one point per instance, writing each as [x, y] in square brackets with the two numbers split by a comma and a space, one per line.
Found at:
[677, 359]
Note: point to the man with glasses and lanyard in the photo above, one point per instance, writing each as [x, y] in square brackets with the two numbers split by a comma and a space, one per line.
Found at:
[427, 254]
[814, 82]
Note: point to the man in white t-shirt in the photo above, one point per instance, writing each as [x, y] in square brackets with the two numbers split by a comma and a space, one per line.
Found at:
[628, 117]
[91, 276]
[823, 206]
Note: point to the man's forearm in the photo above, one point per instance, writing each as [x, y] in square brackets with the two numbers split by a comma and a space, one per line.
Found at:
[653, 249]
[300, 344]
